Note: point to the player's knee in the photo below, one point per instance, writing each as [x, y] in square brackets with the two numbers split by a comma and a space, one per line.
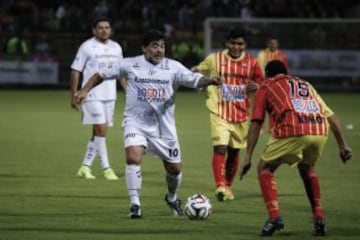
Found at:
[233, 152]
[220, 150]
[133, 158]
[100, 130]
[173, 169]
[264, 166]
[306, 170]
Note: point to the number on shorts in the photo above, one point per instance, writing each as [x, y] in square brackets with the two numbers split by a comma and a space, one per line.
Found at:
[173, 152]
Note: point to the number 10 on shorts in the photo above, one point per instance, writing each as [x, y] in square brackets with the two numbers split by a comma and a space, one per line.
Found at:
[173, 152]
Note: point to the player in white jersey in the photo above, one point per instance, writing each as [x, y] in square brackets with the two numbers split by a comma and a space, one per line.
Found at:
[95, 54]
[149, 121]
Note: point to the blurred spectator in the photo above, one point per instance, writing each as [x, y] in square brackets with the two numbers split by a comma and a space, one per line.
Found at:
[185, 15]
[25, 13]
[101, 9]
[42, 50]
[179, 49]
[16, 47]
[192, 56]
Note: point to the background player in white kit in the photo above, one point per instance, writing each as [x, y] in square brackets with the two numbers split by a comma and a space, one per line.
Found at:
[95, 54]
[149, 121]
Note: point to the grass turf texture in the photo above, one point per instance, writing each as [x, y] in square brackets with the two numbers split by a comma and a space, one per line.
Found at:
[42, 144]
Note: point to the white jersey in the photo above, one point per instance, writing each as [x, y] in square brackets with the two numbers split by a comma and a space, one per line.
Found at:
[150, 93]
[94, 56]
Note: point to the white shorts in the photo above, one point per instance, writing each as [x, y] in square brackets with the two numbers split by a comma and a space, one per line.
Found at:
[98, 112]
[166, 149]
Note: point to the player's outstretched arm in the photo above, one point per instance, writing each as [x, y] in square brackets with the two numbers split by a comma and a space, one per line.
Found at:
[206, 81]
[345, 150]
[92, 82]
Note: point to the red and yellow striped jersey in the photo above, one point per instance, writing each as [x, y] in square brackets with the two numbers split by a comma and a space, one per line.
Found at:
[294, 105]
[231, 101]
[265, 56]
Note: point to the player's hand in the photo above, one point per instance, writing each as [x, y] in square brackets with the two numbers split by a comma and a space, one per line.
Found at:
[194, 69]
[345, 154]
[73, 103]
[252, 86]
[79, 97]
[218, 80]
[245, 167]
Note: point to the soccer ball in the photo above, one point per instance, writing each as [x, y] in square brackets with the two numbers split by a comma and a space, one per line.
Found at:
[197, 207]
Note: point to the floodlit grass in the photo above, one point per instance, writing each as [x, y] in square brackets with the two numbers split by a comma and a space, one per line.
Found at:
[42, 144]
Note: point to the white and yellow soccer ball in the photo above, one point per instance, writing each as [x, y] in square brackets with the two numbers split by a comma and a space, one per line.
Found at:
[198, 207]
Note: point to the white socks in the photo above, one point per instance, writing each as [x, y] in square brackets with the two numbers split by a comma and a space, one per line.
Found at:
[101, 150]
[90, 154]
[133, 181]
[173, 182]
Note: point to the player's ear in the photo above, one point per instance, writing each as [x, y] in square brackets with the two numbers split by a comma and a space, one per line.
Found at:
[143, 49]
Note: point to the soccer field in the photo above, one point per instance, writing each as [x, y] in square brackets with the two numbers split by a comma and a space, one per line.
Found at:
[42, 143]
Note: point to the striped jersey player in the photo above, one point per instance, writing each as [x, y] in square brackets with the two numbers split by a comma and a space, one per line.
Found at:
[301, 120]
[229, 106]
[270, 53]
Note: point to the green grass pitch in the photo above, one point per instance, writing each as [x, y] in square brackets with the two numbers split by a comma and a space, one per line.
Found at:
[42, 144]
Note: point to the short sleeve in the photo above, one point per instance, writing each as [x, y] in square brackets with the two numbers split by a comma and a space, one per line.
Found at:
[207, 66]
[80, 59]
[185, 77]
[258, 73]
[325, 109]
[260, 100]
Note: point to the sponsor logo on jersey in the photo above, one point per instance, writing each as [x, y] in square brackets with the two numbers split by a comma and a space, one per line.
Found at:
[305, 106]
[151, 80]
[233, 92]
[106, 56]
[151, 95]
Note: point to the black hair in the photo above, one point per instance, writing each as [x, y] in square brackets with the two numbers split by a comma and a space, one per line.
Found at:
[235, 33]
[152, 35]
[275, 67]
[100, 19]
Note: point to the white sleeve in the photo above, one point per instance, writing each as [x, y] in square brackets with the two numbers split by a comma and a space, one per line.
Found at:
[186, 77]
[80, 60]
[111, 72]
